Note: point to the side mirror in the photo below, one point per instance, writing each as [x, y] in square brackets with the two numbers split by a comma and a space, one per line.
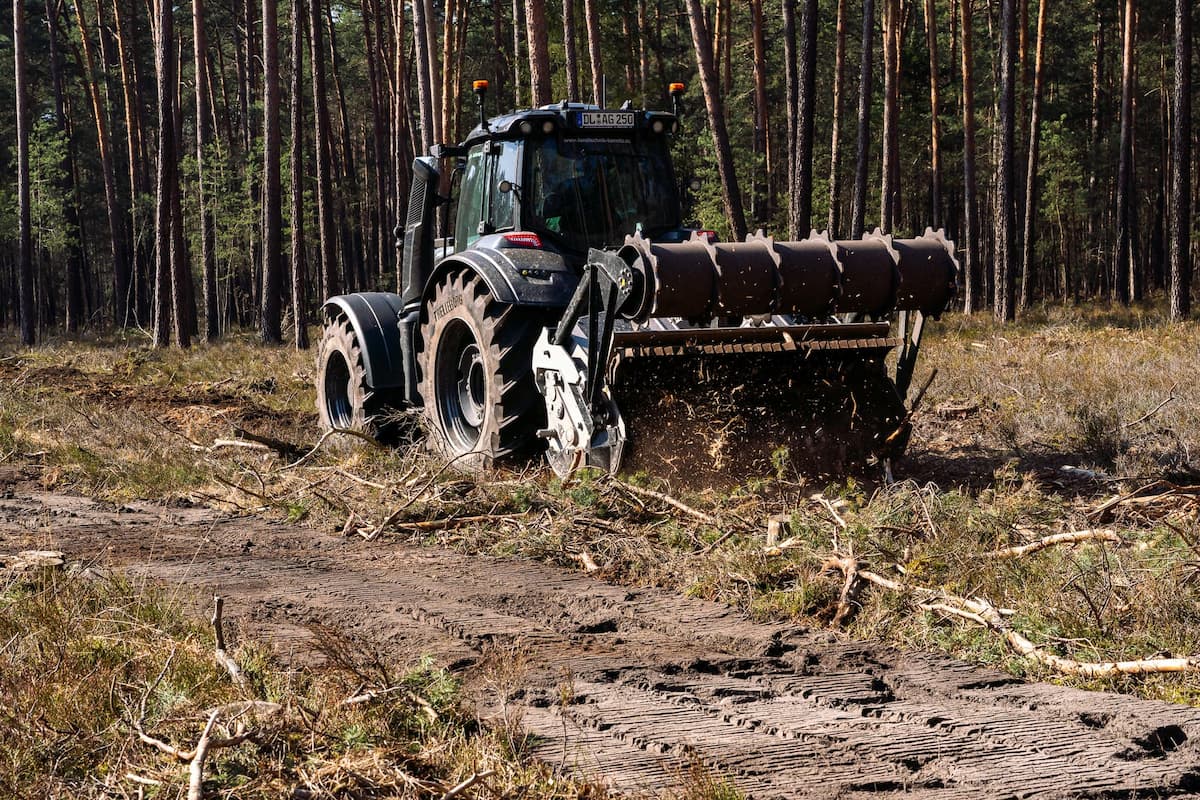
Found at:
[505, 186]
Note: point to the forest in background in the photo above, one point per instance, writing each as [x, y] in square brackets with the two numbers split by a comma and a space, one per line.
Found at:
[209, 166]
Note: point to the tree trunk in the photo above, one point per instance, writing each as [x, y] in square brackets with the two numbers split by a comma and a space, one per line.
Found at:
[759, 211]
[972, 278]
[716, 113]
[858, 210]
[24, 224]
[518, 15]
[1005, 221]
[74, 260]
[116, 214]
[323, 148]
[572, 58]
[135, 143]
[299, 315]
[435, 74]
[800, 219]
[835, 127]
[164, 63]
[935, 128]
[591, 16]
[792, 89]
[272, 233]
[889, 190]
[450, 12]
[539, 52]
[1035, 111]
[1123, 271]
[1179, 233]
[183, 293]
[208, 255]
[379, 234]
[424, 80]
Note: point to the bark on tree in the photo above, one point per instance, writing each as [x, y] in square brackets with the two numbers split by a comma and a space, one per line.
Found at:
[935, 128]
[972, 278]
[167, 178]
[424, 80]
[208, 254]
[435, 74]
[835, 128]
[1005, 270]
[183, 294]
[299, 315]
[1035, 112]
[116, 212]
[539, 52]
[518, 15]
[322, 146]
[716, 113]
[858, 210]
[1123, 272]
[800, 217]
[1179, 234]
[792, 89]
[135, 146]
[591, 16]
[272, 234]
[74, 259]
[570, 52]
[889, 188]
[760, 210]
[24, 224]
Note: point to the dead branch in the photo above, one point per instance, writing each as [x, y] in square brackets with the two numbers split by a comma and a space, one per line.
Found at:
[583, 557]
[982, 612]
[1074, 537]
[848, 599]
[196, 768]
[823, 501]
[671, 501]
[370, 534]
[1151, 412]
[223, 658]
[467, 784]
[282, 448]
[219, 443]
[139, 779]
[360, 698]
[304, 459]
[1099, 511]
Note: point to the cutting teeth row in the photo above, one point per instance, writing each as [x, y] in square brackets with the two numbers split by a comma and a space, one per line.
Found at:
[814, 277]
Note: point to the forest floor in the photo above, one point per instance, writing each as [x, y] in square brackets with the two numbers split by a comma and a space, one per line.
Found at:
[552, 639]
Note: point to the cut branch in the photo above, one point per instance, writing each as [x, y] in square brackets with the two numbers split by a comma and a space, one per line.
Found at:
[223, 658]
[1074, 537]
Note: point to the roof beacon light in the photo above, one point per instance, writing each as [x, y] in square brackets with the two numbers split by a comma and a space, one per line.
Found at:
[677, 89]
[480, 89]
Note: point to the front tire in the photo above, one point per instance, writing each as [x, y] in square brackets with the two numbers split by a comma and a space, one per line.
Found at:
[344, 400]
[476, 374]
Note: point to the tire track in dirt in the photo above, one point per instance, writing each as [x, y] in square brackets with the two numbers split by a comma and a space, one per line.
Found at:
[631, 685]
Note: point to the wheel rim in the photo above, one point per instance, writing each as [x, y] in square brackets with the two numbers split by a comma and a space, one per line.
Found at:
[338, 407]
[461, 386]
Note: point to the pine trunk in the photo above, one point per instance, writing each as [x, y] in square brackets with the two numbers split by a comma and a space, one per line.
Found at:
[208, 255]
[299, 315]
[1123, 272]
[1005, 267]
[572, 58]
[858, 210]
[759, 211]
[272, 234]
[935, 128]
[889, 190]
[591, 16]
[24, 223]
[1179, 234]
[800, 220]
[166, 179]
[539, 52]
[323, 148]
[835, 127]
[716, 113]
[1035, 113]
[972, 278]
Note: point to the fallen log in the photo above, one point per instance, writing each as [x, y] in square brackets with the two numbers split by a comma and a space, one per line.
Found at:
[1046, 542]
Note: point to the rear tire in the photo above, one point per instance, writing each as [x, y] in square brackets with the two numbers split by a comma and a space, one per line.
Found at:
[476, 376]
[344, 400]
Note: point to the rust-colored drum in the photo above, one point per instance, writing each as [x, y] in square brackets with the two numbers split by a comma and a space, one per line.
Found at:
[868, 276]
[746, 277]
[810, 277]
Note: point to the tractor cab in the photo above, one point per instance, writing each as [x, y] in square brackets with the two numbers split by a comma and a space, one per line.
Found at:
[565, 178]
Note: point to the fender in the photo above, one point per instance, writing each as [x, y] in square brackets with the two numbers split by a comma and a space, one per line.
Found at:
[375, 319]
[522, 276]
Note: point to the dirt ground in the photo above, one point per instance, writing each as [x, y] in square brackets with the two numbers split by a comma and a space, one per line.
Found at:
[633, 686]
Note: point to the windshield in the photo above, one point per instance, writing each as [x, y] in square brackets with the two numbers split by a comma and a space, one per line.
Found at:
[593, 192]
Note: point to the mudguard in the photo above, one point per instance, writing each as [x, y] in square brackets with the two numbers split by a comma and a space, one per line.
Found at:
[522, 276]
[375, 319]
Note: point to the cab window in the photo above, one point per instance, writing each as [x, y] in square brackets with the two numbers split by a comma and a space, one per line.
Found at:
[471, 195]
[505, 167]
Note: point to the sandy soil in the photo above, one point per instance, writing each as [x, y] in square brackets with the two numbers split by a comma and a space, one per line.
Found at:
[630, 685]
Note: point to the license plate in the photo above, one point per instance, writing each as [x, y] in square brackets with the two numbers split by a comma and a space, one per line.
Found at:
[606, 119]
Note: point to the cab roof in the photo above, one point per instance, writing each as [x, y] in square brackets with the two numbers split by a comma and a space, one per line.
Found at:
[572, 118]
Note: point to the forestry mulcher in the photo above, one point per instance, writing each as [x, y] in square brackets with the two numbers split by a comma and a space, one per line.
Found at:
[565, 286]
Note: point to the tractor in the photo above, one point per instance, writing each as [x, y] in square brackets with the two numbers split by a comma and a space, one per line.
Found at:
[546, 257]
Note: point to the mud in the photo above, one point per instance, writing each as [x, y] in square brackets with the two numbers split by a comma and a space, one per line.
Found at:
[632, 685]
